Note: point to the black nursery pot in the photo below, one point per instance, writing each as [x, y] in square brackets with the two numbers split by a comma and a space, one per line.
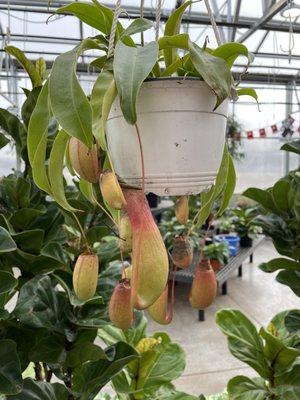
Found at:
[246, 241]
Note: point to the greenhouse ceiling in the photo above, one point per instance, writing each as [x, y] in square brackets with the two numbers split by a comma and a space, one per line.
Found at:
[269, 28]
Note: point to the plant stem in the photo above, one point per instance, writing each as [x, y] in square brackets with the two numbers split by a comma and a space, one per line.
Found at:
[48, 372]
[142, 157]
[83, 236]
[38, 371]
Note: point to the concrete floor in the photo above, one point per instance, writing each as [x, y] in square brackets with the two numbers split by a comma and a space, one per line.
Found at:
[209, 364]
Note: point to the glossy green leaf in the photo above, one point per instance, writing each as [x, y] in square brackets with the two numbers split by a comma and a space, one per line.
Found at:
[10, 370]
[291, 279]
[64, 88]
[7, 282]
[89, 378]
[263, 197]
[7, 244]
[243, 388]
[56, 164]
[213, 70]
[137, 26]
[171, 69]
[131, 67]
[33, 390]
[30, 240]
[37, 140]
[84, 352]
[26, 64]
[287, 384]
[161, 365]
[50, 349]
[293, 147]
[180, 41]
[280, 263]
[229, 188]
[40, 305]
[172, 28]
[41, 67]
[244, 341]
[292, 321]
[231, 51]
[280, 194]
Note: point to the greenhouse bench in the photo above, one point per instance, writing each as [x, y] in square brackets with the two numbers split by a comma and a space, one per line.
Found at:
[234, 263]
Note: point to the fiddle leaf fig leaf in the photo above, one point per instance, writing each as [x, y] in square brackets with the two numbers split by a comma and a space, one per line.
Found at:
[7, 282]
[64, 88]
[3, 140]
[10, 369]
[50, 349]
[213, 70]
[292, 321]
[280, 263]
[290, 278]
[37, 140]
[11, 125]
[7, 243]
[243, 388]
[56, 164]
[26, 64]
[172, 28]
[33, 390]
[131, 67]
[293, 147]
[244, 341]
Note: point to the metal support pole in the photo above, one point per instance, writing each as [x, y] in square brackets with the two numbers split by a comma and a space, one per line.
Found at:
[288, 110]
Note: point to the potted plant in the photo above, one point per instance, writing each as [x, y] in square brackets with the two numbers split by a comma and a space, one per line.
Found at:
[130, 108]
[218, 254]
[244, 224]
[224, 225]
[233, 138]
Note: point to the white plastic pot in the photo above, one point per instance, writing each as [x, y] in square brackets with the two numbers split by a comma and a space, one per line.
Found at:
[182, 138]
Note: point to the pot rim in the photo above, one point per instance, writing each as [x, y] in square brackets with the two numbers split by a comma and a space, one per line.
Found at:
[174, 78]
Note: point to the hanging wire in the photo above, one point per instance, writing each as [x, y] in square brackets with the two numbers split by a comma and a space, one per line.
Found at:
[217, 14]
[157, 18]
[114, 29]
[213, 22]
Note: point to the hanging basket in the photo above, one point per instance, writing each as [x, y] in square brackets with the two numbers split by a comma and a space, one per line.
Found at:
[182, 138]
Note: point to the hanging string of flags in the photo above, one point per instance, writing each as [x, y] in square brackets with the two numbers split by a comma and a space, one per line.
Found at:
[285, 128]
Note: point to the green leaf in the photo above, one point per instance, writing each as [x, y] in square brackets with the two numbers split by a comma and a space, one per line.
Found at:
[243, 388]
[40, 305]
[292, 321]
[172, 28]
[12, 126]
[231, 51]
[174, 67]
[41, 67]
[280, 263]
[3, 140]
[56, 164]
[7, 282]
[29, 104]
[10, 370]
[137, 26]
[64, 88]
[248, 92]
[163, 364]
[37, 140]
[131, 67]
[30, 241]
[102, 97]
[180, 41]
[84, 352]
[33, 390]
[263, 197]
[213, 70]
[229, 188]
[50, 349]
[26, 64]
[280, 194]
[243, 340]
[87, 190]
[291, 279]
[89, 378]
[293, 147]
[7, 244]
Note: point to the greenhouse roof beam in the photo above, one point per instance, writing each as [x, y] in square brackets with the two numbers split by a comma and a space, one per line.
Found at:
[236, 18]
[270, 13]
